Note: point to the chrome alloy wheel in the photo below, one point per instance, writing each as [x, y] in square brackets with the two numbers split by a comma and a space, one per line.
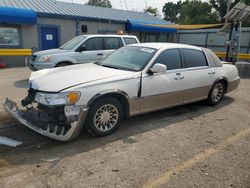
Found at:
[217, 92]
[106, 117]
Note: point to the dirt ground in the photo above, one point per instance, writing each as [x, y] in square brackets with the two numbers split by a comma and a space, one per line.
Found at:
[190, 146]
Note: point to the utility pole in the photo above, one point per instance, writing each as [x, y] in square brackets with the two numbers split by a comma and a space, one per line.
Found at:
[231, 30]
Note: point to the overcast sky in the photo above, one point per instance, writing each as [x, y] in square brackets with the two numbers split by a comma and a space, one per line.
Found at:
[136, 5]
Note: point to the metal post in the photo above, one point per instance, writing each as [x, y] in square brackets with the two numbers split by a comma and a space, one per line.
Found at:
[77, 27]
[230, 38]
[235, 41]
[239, 36]
[248, 48]
[206, 39]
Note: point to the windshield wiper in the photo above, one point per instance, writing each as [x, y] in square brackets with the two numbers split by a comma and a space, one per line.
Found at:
[109, 66]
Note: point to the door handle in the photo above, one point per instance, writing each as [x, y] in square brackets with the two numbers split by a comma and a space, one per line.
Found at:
[211, 72]
[178, 76]
[99, 54]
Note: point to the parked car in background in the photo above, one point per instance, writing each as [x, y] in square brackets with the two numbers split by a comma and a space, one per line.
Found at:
[133, 80]
[80, 49]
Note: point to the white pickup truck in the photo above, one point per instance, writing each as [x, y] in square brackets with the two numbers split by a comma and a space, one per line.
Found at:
[80, 49]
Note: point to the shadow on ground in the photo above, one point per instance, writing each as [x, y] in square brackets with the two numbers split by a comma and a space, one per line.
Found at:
[22, 83]
[40, 147]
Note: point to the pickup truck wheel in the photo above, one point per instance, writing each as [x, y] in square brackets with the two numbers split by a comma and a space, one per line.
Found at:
[216, 93]
[63, 64]
[104, 117]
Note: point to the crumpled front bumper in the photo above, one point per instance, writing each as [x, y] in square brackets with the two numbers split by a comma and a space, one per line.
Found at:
[75, 126]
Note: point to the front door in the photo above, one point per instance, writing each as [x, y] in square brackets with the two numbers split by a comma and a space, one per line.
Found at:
[164, 90]
[49, 37]
[93, 51]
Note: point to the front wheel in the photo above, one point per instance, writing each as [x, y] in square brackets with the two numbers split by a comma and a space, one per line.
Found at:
[63, 64]
[104, 117]
[216, 93]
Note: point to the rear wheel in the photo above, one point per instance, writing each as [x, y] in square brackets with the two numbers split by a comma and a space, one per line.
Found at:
[104, 116]
[216, 93]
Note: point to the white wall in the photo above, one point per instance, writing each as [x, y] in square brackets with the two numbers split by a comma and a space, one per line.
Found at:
[214, 41]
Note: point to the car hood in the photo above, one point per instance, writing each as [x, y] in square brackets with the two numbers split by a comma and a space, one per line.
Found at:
[61, 78]
[50, 52]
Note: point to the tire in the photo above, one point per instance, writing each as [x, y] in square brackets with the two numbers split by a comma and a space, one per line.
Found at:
[63, 64]
[216, 93]
[100, 113]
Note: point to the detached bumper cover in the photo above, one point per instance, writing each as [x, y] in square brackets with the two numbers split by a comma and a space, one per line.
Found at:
[75, 126]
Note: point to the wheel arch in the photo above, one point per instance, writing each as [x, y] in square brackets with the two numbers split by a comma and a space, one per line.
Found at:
[224, 80]
[67, 62]
[120, 95]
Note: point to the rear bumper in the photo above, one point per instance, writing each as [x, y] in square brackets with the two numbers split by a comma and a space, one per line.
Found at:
[232, 85]
[75, 126]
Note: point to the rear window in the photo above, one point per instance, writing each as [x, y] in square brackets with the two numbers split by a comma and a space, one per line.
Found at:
[112, 43]
[129, 40]
[194, 58]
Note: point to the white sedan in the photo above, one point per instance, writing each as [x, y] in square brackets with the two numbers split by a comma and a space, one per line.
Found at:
[136, 79]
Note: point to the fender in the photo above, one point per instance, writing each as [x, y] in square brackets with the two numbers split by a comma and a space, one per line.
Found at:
[111, 91]
[72, 60]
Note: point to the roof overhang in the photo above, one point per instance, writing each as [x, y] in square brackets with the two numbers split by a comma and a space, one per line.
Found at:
[194, 26]
[17, 16]
[161, 27]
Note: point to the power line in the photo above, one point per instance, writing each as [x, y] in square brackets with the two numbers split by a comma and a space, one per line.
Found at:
[126, 4]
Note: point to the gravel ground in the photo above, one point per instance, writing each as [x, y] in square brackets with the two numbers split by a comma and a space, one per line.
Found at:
[189, 146]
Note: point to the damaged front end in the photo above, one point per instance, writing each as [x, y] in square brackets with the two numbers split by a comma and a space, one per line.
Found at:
[62, 122]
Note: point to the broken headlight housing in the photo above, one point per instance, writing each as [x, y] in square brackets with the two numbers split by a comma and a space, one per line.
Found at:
[57, 99]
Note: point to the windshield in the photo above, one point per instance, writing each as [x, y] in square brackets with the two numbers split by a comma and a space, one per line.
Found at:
[70, 45]
[133, 58]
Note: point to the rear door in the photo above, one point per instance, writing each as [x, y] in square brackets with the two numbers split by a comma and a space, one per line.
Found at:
[94, 50]
[198, 75]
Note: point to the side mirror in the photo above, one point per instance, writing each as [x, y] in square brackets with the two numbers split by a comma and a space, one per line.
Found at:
[158, 68]
[82, 48]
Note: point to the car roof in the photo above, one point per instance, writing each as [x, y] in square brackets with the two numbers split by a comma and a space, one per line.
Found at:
[107, 35]
[159, 45]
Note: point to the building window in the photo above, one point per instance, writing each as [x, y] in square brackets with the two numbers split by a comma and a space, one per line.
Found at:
[9, 36]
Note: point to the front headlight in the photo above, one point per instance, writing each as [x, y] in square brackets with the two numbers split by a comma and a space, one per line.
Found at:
[45, 58]
[57, 99]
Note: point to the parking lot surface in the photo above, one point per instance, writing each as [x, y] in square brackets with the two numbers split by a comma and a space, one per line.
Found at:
[189, 146]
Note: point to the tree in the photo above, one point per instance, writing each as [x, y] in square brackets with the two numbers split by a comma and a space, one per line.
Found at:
[171, 11]
[100, 3]
[196, 12]
[152, 11]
